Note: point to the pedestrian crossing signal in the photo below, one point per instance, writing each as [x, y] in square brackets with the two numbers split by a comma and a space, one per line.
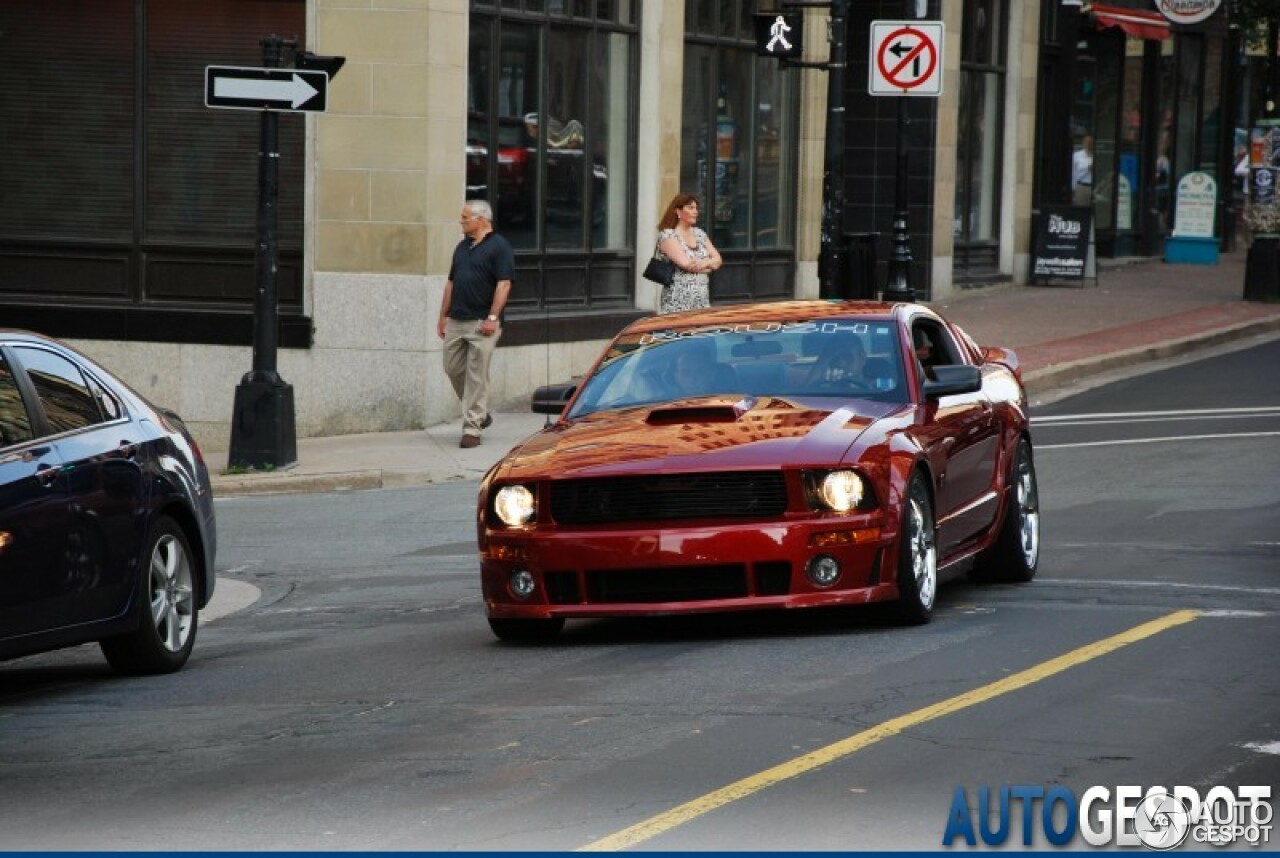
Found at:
[780, 34]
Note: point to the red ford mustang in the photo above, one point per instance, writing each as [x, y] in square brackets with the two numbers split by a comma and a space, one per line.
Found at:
[785, 455]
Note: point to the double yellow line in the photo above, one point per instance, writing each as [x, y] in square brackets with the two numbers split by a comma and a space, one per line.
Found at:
[691, 810]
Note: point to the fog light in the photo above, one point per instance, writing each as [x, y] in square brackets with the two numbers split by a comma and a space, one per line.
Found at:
[522, 584]
[823, 570]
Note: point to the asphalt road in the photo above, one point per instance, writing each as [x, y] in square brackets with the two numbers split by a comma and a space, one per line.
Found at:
[361, 702]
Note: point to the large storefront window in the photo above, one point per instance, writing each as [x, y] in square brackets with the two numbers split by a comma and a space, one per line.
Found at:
[980, 140]
[550, 114]
[120, 192]
[738, 150]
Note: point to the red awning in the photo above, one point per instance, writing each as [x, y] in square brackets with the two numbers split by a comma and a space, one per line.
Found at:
[1138, 23]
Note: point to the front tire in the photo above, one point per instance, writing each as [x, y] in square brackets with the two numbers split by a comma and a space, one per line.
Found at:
[166, 608]
[1015, 555]
[917, 555]
[526, 631]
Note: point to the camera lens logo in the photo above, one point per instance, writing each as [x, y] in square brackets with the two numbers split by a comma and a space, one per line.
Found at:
[1162, 821]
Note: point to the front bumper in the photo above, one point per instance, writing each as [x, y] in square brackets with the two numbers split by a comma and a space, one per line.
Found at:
[651, 571]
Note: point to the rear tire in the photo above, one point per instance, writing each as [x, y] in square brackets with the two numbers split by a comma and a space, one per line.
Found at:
[166, 608]
[917, 555]
[526, 631]
[1015, 555]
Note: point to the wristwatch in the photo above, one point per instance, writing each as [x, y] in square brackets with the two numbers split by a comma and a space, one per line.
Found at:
[491, 318]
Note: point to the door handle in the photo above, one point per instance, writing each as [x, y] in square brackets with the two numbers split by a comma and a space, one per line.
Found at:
[128, 449]
[46, 474]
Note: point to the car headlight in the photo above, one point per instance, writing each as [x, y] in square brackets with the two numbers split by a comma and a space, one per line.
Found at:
[842, 490]
[514, 505]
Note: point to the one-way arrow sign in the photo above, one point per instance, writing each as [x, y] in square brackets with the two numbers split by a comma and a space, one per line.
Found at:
[244, 88]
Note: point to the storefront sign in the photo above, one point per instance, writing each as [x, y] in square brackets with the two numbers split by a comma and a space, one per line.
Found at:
[1062, 243]
[1187, 11]
[1195, 206]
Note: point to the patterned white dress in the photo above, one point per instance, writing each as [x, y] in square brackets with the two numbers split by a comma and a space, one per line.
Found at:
[687, 291]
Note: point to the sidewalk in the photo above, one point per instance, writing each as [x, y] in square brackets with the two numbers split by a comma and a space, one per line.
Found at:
[1138, 311]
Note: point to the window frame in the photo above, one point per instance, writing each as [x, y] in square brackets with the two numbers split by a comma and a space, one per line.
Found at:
[549, 278]
[751, 272]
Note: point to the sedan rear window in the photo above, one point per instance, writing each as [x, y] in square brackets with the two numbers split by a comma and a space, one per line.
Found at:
[15, 427]
[68, 402]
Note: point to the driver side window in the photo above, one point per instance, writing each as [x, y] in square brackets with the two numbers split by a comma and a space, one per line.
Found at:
[933, 346]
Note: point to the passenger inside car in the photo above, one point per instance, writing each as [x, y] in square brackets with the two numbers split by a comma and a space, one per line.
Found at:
[697, 373]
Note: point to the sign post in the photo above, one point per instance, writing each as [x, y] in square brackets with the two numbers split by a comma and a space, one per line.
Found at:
[263, 430]
[906, 60]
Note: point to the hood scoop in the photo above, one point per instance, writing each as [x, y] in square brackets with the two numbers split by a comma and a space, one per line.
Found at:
[704, 412]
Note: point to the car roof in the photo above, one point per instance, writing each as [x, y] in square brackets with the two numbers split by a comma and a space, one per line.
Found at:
[775, 311]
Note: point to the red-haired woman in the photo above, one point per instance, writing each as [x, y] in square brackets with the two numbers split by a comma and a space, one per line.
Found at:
[695, 257]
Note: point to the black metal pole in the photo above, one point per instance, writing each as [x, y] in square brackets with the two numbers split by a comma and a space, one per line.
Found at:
[898, 284]
[267, 256]
[263, 432]
[831, 259]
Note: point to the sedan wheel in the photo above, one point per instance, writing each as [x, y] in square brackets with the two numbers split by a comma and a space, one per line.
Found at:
[167, 614]
[917, 556]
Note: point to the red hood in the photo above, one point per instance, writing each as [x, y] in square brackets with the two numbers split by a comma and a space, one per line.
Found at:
[723, 433]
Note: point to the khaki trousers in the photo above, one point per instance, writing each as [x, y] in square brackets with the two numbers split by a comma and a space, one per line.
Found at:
[467, 353]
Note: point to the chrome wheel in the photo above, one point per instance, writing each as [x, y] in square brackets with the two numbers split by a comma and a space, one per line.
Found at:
[917, 555]
[172, 598]
[1028, 506]
[1014, 554]
[924, 553]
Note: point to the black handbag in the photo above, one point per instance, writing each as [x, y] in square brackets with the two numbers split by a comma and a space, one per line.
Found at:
[660, 271]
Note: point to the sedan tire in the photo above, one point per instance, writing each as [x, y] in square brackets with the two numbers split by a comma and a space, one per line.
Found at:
[917, 555]
[166, 608]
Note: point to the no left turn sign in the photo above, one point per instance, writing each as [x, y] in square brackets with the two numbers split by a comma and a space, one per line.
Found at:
[906, 58]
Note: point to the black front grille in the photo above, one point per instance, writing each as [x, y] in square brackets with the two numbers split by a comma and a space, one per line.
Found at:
[669, 497]
[692, 584]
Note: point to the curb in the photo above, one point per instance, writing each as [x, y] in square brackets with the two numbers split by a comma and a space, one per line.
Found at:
[1039, 381]
[283, 483]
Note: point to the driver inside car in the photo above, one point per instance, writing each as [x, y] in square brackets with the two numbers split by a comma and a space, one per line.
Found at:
[839, 364]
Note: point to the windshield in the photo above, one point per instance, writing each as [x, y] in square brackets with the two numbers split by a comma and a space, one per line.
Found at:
[828, 358]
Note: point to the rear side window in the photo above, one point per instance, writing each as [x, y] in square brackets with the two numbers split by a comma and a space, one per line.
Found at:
[64, 393]
[15, 426]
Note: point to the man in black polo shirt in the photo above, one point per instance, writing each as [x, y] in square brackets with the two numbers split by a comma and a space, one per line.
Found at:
[471, 314]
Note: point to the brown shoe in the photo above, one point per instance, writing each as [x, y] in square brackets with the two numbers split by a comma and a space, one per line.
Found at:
[469, 441]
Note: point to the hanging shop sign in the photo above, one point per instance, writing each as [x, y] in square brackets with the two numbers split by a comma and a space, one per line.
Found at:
[1188, 11]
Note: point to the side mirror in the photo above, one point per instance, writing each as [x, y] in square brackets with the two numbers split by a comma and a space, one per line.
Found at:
[552, 398]
[950, 380]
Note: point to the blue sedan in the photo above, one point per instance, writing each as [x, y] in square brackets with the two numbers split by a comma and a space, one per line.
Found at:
[107, 529]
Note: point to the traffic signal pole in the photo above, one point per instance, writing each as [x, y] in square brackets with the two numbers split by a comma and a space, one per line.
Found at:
[831, 259]
[832, 262]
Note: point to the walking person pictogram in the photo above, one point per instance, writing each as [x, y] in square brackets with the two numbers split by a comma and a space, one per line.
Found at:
[777, 34]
